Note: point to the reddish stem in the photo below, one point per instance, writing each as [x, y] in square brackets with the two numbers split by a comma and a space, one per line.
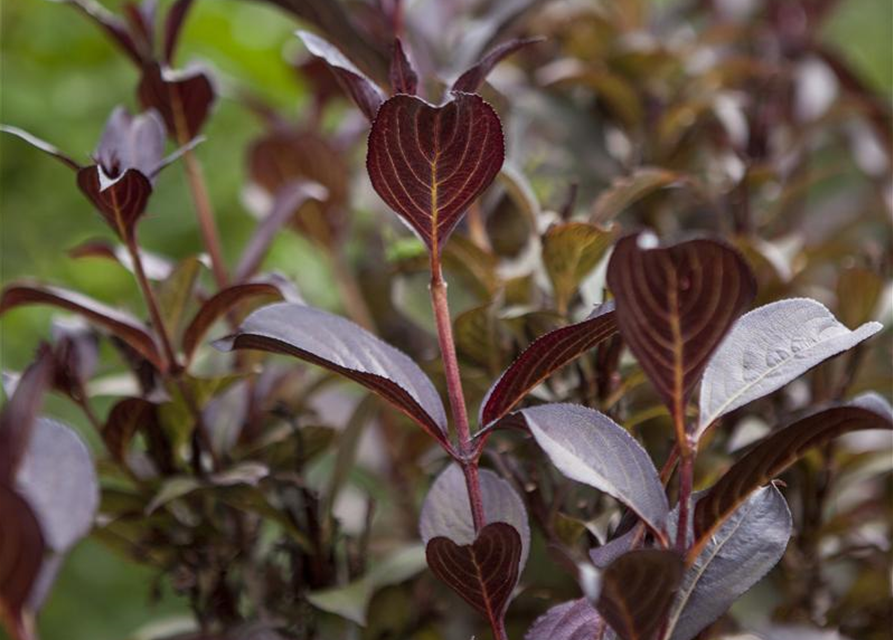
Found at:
[466, 458]
[205, 216]
[686, 477]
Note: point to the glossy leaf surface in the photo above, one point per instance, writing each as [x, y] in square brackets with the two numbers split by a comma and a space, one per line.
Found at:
[675, 305]
[346, 348]
[544, 356]
[430, 163]
[768, 348]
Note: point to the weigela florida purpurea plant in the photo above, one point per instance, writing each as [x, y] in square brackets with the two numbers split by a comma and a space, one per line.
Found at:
[221, 468]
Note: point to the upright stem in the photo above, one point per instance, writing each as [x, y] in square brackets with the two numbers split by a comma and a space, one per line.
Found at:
[686, 473]
[454, 387]
[205, 216]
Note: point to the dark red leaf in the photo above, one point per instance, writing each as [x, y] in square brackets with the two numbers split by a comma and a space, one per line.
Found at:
[20, 412]
[173, 24]
[141, 19]
[674, 306]
[770, 457]
[44, 146]
[124, 326]
[637, 590]
[114, 27]
[122, 423]
[346, 348]
[430, 163]
[472, 79]
[120, 203]
[75, 354]
[363, 91]
[219, 305]
[183, 98]
[21, 556]
[402, 76]
[544, 356]
[485, 573]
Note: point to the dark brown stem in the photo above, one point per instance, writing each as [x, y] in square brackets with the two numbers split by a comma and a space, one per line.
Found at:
[205, 215]
[457, 397]
[686, 473]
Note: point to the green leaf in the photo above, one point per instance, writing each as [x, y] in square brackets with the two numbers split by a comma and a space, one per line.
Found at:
[629, 189]
[570, 252]
[176, 291]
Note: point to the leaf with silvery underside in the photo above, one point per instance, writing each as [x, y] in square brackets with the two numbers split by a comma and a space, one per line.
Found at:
[346, 348]
[363, 91]
[114, 26]
[472, 79]
[772, 456]
[402, 76]
[544, 356]
[637, 590]
[589, 447]
[20, 412]
[430, 163]
[446, 511]
[483, 573]
[42, 145]
[674, 306]
[768, 348]
[571, 250]
[120, 324]
[574, 620]
[156, 267]
[352, 601]
[607, 553]
[58, 479]
[627, 190]
[21, 556]
[740, 552]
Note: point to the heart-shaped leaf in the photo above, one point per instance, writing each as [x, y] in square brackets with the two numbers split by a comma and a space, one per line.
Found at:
[363, 91]
[674, 306]
[447, 512]
[430, 163]
[346, 348]
[544, 356]
[58, 479]
[120, 324]
[402, 76]
[183, 98]
[574, 620]
[589, 447]
[484, 573]
[772, 456]
[121, 202]
[637, 590]
[740, 552]
[768, 348]
[472, 79]
[21, 556]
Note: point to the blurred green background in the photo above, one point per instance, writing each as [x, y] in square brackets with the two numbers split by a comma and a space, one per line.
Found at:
[60, 79]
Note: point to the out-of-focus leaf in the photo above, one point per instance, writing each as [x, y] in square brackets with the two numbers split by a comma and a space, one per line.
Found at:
[519, 189]
[363, 91]
[176, 292]
[544, 356]
[483, 573]
[124, 420]
[184, 98]
[120, 324]
[42, 145]
[574, 620]
[770, 457]
[114, 27]
[402, 76]
[476, 267]
[627, 190]
[352, 601]
[19, 414]
[21, 556]
[75, 355]
[58, 479]
[173, 24]
[858, 295]
[430, 163]
[348, 441]
[674, 306]
[155, 266]
[570, 251]
[253, 500]
[341, 346]
[607, 553]
[472, 79]
[637, 590]
[769, 347]
[589, 447]
[173, 488]
[477, 335]
[447, 512]
[740, 552]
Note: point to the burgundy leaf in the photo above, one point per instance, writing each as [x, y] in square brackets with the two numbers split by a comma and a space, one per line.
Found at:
[21, 556]
[637, 590]
[484, 573]
[122, 202]
[75, 354]
[183, 98]
[120, 324]
[20, 412]
[114, 27]
[346, 348]
[44, 146]
[674, 306]
[544, 356]
[430, 163]
[141, 20]
[574, 620]
[173, 24]
[402, 76]
[472, 79]
[771, 457]
[219, 305]
[363, 91]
